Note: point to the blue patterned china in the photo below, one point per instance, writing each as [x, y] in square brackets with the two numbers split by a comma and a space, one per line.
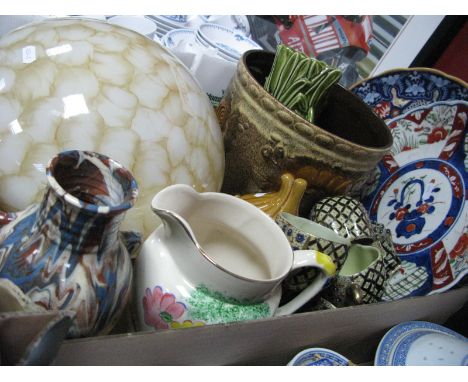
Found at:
[419, 193]
[319, 357]
[239, 23]
[395, 92]
[228, 41]
[67, 253]
[420, 343]
[173, 38]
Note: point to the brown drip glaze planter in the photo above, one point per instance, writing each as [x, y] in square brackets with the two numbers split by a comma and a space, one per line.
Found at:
[263, 139]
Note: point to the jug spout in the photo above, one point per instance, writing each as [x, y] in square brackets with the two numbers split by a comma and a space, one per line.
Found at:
[178, 199]
[175, 205]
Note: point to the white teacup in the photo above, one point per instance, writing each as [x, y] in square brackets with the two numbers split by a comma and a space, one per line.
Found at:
[212, 71]
[140, 24]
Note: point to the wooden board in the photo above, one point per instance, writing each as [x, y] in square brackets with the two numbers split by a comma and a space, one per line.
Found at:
[354, 332]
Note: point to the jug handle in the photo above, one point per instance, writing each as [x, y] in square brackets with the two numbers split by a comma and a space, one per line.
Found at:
[308, 258]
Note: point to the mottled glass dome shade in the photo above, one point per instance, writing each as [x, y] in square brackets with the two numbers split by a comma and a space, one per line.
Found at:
[70, 84]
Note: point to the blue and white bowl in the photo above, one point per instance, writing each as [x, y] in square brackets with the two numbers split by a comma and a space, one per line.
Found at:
[173, 38]
[319, 357]
[420, 343]
[226, 40]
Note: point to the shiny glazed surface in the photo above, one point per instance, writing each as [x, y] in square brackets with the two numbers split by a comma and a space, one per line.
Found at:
[89, 85]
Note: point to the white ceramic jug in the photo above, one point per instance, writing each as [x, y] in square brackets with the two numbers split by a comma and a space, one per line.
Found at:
[215, 259]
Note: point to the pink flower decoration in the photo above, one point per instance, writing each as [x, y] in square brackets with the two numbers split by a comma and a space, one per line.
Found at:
[161, 308]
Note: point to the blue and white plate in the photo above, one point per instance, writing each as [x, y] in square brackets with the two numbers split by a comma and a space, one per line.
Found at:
[419, 189]
[419, 193]
[226, 40]
[420, 343]
[319, 357]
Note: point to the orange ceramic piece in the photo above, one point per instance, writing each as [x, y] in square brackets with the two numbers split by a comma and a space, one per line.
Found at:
[286, 199]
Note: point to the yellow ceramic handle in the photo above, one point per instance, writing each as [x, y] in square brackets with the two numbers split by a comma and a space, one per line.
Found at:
[328, 265]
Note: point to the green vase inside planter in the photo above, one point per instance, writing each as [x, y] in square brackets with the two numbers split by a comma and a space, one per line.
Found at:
[299, 82]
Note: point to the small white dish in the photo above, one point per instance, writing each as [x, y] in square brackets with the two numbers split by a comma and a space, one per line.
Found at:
[226, 40]
[173, 38]
[420, 343]
[140, 24]
[319, 357]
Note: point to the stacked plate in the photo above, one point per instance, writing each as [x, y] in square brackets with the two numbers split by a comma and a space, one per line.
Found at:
[167, 23]
[229, 44]
[238, 23]
[420, 343]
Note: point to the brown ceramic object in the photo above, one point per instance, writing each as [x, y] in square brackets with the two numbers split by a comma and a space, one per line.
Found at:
[263, 139]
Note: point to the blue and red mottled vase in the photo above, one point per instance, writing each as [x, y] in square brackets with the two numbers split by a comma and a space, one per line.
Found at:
[67, 253]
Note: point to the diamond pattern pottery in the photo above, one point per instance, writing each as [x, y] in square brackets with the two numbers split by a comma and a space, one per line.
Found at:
[305, 235]
[66, 253]
[263, 139]
[344, 215]
[76, 84]
[384, 237]
[361, 279]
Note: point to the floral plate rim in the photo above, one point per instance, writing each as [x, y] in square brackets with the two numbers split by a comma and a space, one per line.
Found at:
[415, 69]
